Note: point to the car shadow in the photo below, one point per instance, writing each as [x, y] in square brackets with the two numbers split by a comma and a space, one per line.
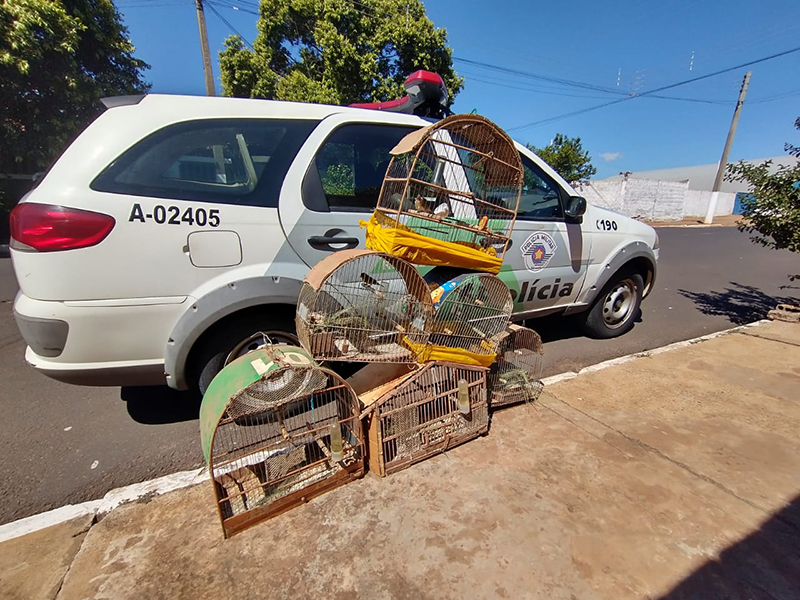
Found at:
[740, 304]
[562, 327]
[765, 564]
[160, 405]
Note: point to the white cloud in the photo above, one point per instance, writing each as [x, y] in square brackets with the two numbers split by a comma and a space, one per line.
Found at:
[610, 156]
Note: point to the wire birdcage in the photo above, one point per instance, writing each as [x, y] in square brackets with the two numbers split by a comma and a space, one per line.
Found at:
[471, 310]
[458, 184]
[357, 305]
[516, 374]
[277, 430]
[426, 412]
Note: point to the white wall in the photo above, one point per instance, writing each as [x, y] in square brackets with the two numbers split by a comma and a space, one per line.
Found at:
[697, 203]
[607, 194]
[653, 199]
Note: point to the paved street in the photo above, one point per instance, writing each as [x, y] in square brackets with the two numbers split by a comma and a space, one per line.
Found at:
[63, 444]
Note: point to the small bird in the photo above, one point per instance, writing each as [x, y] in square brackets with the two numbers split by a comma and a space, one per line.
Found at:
[373, 285]
[421, 204]
[369, 280]
[397, 201]
[441, 212]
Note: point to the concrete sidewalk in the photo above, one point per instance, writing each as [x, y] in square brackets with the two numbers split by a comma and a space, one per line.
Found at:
[670, 476]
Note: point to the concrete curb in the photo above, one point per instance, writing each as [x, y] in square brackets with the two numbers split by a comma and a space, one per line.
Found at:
[113, 499]
[183, 479]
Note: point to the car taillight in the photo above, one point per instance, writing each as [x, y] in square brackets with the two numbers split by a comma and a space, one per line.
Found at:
[48, 228]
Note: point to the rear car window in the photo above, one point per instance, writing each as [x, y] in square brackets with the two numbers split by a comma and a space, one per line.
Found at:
[352, 162]
[227, 161]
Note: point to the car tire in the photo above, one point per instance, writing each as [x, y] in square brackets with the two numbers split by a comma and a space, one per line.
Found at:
[218, 343]
[616, 307]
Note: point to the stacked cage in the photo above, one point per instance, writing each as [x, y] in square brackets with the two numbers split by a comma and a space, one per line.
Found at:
[357, 305]
[450, 196]
[516, 374]
[277, 430]
[471, 313]
[424, 413]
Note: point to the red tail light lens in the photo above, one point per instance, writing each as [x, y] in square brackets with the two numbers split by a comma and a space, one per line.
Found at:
[48, 228]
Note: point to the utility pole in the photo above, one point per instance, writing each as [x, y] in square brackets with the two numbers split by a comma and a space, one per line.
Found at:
[723, 163]
[201, 23]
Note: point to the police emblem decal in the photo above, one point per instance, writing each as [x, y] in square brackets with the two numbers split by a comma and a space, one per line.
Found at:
[537, 251]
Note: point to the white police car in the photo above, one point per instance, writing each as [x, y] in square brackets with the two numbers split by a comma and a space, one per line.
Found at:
[174, 228]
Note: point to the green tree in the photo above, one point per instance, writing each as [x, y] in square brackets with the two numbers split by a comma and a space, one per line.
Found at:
[336, 51]
[771, 209]
[57, 59]
[567, 156]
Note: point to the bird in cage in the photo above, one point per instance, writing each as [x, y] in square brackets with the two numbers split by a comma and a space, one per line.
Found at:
[442, 211]
[421, 204]
[397, 201]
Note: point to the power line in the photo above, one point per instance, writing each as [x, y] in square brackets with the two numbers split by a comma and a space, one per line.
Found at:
[720, 72]
[236, 5]
[697, 100]
[775, 97]
[653, 93]
[471, 77]
[540, 77]
[231, 27]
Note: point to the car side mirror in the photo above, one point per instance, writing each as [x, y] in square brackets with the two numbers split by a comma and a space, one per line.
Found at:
[576, 206]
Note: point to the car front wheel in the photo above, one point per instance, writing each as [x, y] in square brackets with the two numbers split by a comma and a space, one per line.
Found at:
[615, 309]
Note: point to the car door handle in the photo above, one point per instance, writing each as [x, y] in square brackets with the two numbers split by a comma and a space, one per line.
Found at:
[323, 242]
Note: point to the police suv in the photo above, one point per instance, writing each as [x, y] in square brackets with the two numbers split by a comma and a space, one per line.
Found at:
[175, 228]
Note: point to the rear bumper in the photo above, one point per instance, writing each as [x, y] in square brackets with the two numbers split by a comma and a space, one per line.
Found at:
[46, 337]
[104, 374]
[98, 343]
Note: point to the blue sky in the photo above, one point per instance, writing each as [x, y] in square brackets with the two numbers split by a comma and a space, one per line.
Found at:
[638, 45]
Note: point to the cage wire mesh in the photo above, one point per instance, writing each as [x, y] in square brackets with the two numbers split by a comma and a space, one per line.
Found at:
[278, 434]
[357, 305]
[457, 181]
[436, 407]
[471, 310]
[516, 374]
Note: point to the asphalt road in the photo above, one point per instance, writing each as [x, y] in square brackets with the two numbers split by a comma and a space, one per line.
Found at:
[62, 444]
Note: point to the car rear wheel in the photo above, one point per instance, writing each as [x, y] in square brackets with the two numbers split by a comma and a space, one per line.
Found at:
[615, 309]
[236, 337]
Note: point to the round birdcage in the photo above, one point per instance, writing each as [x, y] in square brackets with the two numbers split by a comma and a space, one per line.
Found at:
[516, 374]
[471, 310]
[276, 430]
[357, 305]
[458, 184]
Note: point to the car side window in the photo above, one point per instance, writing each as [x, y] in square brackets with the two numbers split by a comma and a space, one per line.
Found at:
[352, 162]
[540, 194]
[228, 161]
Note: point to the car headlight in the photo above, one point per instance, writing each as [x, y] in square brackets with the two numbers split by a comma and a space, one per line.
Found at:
[656, 244]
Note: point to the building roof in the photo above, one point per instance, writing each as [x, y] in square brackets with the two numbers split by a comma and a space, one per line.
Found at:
[701, 177]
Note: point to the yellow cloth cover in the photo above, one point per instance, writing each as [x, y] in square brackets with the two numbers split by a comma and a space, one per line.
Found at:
[385, 235]
[428, 353]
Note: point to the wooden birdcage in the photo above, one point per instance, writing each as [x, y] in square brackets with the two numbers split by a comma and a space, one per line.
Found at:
[276, 431]
[458, 184]
[471, 310]
[516, 374]
[358, 305]
[423, 413]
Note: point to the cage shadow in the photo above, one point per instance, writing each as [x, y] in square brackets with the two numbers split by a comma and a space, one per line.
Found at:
[740, 303]
[765, 564]
[160, 405]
